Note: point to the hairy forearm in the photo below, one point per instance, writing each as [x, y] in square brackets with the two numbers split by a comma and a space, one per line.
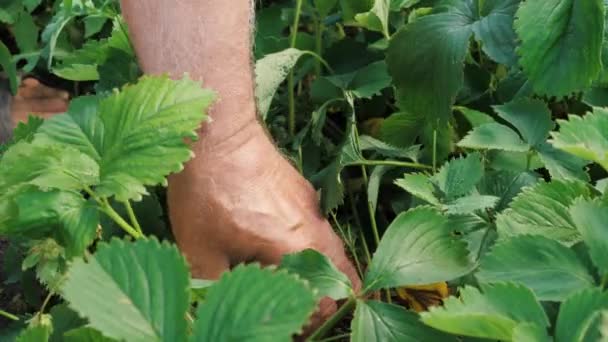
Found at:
[208, 39]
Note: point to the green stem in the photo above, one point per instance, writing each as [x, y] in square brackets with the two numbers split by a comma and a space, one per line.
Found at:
[434, 151]
[334, 319]
[132, 217]
[319, 27]
[44, 304]
[335, 338]
[372, 213]
[107, 208]
[290, 79]
[528, 160]
[8, 315]
[390, 163]
[349, 242]
[368, 255]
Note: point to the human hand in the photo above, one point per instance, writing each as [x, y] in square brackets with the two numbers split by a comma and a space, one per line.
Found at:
[240, 201]
[37, 99]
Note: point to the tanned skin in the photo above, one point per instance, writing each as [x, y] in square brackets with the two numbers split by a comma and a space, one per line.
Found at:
[238, 200]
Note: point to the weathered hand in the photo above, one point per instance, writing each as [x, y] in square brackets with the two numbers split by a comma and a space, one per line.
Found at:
[241, 201]
[36, 98]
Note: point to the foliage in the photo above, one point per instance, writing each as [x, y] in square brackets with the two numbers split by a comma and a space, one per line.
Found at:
[455, 144]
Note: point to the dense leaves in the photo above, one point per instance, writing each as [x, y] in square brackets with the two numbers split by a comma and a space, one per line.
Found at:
[454, 146]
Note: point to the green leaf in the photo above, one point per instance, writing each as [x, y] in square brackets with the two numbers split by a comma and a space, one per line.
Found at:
[36, 210]
[585, 137]
[53, 29]
[351, 7]
[26, 130]
[416, 249]
[459, 176]
[376, 19]
[325, 6]
[591, 219]
[531, 118]
[429, 77]
[475, 117]
[494, 29]
[46, 166]
[85, 334]
[470, 204]
[64, 319]
[529, 332]
[147, 282]
[93, 24]
[561, 49]
[136, 141]
[543, 210]
[26, 33]
[493, 314]
[9, 67]
[36, 333]
[270, 72]
[85, 63]
[505, 185]
[548, 268]
[251, 303]
[31, 5]
[320, 273]
[577, 314]
[494, 136]
[365, 82]
[378, 321]
[81, 65]
[419, 185]
[562, 165]
[373, 186]
[401, 129]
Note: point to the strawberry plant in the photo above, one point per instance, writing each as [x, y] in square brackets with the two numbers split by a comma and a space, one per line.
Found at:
[459, 148]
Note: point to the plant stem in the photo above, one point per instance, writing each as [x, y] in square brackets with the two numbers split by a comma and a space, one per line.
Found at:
[391, 163]
[434, 151]
[349, 242]
[290, 79]
[528, 160]
[372, 212]
[335, 338]
[107, 208]
[8, 315]
[319, 27]
[44, 304]
[334, 319]
[132, 217]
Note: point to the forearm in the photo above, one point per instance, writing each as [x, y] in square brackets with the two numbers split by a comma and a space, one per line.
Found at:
[208, 39]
